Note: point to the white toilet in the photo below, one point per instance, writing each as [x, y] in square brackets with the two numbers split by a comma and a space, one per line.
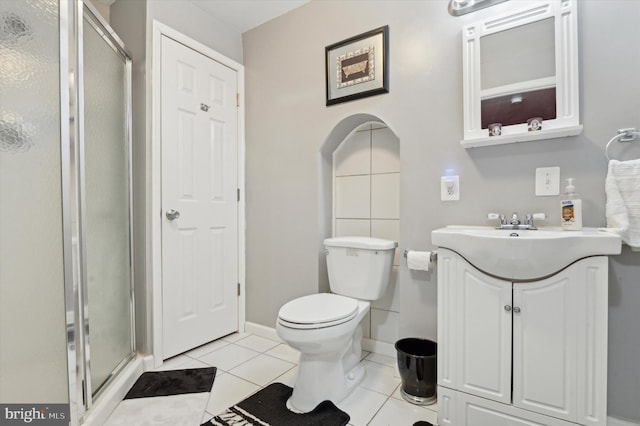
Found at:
[326, 328]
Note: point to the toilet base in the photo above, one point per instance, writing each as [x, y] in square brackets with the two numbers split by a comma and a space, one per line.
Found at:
[306, 398]
[328, 375]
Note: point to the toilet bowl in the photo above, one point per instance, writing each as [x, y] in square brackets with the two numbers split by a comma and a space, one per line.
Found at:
[329, 350]
[326, 327]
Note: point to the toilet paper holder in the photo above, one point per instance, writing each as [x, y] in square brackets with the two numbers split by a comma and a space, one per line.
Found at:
[432, 257]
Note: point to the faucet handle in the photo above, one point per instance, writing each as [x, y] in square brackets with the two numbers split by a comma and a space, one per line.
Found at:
[535, 216]
[499, 217]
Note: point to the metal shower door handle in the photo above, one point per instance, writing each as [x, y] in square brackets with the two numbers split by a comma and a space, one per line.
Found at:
[172, 214]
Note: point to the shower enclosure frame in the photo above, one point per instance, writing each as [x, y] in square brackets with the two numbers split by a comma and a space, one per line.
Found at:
[72, 21]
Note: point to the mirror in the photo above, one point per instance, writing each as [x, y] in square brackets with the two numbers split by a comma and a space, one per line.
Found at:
[520, 71]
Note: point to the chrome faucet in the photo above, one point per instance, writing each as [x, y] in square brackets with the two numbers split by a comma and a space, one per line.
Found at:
[515, 222]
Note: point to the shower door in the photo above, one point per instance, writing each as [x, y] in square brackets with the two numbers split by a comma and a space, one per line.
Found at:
[106, 199]
[105, 203]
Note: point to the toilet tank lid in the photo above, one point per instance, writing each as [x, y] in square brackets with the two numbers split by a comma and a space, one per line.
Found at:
[369, 243]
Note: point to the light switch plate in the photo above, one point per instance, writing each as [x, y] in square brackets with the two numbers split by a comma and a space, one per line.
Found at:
[449, 188]
[547, 181]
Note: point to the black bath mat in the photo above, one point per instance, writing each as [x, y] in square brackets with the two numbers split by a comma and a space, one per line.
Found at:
[268, 406]
[173, 382]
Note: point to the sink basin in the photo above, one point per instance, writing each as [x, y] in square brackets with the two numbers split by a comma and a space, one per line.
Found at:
[524, 255]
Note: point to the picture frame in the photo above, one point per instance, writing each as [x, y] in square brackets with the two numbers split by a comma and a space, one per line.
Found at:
[357, 67]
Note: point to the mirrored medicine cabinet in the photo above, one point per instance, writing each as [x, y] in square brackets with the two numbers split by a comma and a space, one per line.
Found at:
[520, 69]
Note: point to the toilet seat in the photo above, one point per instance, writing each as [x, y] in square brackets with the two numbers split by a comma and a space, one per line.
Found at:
[318, 311]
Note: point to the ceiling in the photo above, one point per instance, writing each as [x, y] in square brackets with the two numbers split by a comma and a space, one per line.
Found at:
[242, 15]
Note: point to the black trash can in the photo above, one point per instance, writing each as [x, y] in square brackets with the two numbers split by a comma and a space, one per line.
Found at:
[417, 362]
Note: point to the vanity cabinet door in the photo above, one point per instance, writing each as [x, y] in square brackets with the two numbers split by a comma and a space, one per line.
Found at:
[545, 344]
[483, 341]
[559, 343]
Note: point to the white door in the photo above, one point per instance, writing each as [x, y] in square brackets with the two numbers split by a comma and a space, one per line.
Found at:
[545, 332]
[199, 198]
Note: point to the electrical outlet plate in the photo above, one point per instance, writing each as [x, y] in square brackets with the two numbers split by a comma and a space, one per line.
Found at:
[547, 181]
[449, 188]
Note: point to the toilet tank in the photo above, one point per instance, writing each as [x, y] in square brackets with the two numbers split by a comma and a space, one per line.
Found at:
[359, 267]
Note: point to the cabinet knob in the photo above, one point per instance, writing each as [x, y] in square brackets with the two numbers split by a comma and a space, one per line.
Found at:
[516, 310]
[507, 308]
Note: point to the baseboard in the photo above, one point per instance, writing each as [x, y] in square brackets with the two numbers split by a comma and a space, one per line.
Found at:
[369, 345]
[262, 331]
[378, 347]
[108, 400]
[613, 421]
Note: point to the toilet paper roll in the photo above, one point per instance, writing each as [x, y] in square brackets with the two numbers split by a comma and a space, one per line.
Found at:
[418, 260]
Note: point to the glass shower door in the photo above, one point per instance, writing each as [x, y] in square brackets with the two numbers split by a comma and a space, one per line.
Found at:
[106, 202]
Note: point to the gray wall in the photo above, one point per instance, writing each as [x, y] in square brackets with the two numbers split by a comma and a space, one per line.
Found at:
[194, 22]
[288, 126]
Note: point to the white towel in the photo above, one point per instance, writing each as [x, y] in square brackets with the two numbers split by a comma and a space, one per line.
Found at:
[622, 187]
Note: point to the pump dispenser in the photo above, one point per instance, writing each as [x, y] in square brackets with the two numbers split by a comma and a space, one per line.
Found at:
[570, 209]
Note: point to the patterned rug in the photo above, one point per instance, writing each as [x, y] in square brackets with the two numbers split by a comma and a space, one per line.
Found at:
[174, 397]
[268, 407]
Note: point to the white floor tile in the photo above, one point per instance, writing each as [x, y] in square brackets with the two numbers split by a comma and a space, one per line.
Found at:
[234, 337]
[257, 343]
[398, 395]
[285, 352]
[205, 349]
[362, 405]
[400, 413]
[228, 357]
[288, 378]
[243, 369]
[227, 391]
[379, 378]
[173, 363]
[261, 369]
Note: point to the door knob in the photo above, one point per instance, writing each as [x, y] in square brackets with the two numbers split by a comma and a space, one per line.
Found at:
[172, 214]
[507, 308]
[516, 309]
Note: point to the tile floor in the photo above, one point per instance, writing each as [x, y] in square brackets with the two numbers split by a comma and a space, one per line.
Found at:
[247, 362]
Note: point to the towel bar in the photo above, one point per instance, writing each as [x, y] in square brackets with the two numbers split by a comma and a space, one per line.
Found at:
[624, 135]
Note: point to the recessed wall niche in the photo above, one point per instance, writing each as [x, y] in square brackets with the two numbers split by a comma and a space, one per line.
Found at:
[366, 202]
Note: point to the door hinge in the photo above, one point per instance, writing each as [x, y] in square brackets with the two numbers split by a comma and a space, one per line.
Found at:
[238, 289]
[238, 194]
[238, 99]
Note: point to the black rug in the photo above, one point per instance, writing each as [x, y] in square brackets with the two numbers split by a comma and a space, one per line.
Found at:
[172, 382]
[268, 407]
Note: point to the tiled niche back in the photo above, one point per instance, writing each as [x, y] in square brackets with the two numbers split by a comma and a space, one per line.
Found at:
[367, 203]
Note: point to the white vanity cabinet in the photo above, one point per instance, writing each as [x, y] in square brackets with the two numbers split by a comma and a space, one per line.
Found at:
[530, 353]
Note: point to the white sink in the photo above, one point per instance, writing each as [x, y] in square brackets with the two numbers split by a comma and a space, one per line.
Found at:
[524, 255]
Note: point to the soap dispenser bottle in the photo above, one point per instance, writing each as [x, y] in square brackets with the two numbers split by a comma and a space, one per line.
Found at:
[570, 209]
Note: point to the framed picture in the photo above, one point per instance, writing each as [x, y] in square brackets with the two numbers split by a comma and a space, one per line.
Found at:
[358, 67]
